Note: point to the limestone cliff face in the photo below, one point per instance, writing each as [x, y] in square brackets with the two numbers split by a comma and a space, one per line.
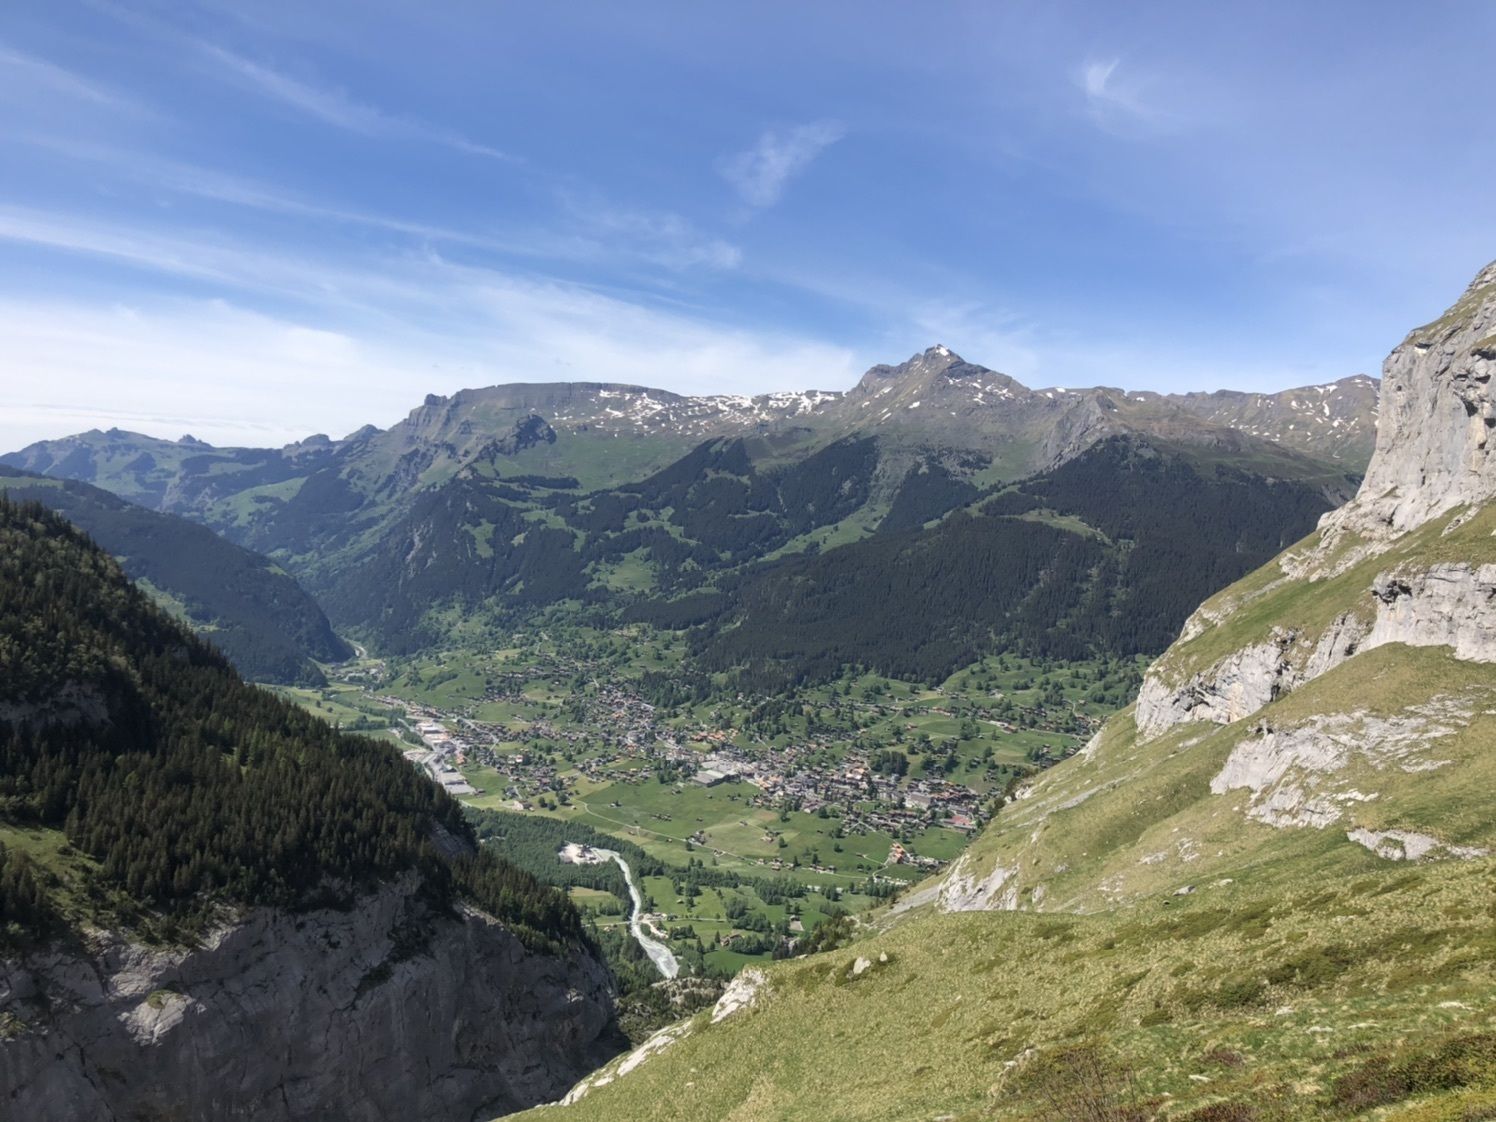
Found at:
[1435, 453]
[1434, 449]
[380, 1012]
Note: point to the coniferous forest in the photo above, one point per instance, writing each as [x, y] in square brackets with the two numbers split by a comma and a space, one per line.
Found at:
[186, 787]
[1106, 555]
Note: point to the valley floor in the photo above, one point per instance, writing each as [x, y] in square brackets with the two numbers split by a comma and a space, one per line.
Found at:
[852, 790]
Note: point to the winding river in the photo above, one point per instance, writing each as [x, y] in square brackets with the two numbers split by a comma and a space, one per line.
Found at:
[657, 951]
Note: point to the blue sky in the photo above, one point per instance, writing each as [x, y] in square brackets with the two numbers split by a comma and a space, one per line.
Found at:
[254, 221]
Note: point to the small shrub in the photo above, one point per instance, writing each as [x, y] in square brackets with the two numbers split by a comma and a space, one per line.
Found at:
[1225, 1057]
[1222, 1112]
[1083, 1082]
[1238, 993]
[1373, 1084]
[1458, 1062]
[1317, 966]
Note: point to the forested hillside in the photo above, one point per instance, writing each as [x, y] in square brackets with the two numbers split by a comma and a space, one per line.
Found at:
[1106, 555]
[182, 787]
[253, 611]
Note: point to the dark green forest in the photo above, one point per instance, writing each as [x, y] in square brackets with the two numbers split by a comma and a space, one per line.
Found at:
[266, 624]
[188, 788]
[1105, 556]
[709, 512]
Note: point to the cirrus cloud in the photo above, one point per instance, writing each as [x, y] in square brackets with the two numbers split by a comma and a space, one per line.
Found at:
[761, 173]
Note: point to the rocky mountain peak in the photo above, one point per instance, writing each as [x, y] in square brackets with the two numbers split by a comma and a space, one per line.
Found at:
[933, 367]
[1434, 449]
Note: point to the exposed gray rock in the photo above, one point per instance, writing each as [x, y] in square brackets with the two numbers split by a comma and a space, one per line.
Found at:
[1446, 605]
[282, 1016]
[1434, 453]
[1406, 845]
[1295, 776]
[1434, 450]
[1237, 686]
[961, 891]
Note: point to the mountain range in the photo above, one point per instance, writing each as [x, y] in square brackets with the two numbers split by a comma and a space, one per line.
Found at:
[495, 503]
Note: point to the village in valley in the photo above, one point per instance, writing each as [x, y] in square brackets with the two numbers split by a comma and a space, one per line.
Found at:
[849, 790]
[537, 729]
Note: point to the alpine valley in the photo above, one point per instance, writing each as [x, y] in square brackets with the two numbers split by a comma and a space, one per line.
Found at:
[936, 749]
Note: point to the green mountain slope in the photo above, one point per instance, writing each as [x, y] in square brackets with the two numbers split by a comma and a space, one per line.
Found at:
[254, 612]
[1263, 892]
[1330, 1003]
[1105, 555]
[142, 782]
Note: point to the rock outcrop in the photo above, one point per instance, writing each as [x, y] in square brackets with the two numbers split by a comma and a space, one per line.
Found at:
[1434, 450]
[384, 1011]
[1335, 704]
[1448, 604]
[1434, 454]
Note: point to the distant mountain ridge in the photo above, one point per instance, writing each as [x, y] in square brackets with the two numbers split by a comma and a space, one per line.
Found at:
[934, 392]
[511, 498]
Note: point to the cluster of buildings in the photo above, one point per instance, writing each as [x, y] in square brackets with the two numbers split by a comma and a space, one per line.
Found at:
[442, 752]
[613, 724]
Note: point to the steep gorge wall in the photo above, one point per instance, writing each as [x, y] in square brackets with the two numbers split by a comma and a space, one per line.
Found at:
[381, 1012]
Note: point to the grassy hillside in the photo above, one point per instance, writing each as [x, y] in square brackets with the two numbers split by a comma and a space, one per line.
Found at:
[1329, 1001]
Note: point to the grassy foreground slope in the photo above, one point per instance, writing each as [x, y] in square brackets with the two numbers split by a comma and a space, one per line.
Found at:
[1233, 1003]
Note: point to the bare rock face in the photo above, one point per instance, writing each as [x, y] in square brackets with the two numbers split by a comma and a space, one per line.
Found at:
[1446, 605]
[1237, 686]
[1435, 452]
[381, 1012]
[1449, 604]
[963, 891]
[1434, 431]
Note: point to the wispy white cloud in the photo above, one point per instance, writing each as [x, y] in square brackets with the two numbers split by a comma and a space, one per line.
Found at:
[589, 228]
[18, 69]
[367, 339]
[761, 173]
[336, 107]
[661, 237]
[1116, 99]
